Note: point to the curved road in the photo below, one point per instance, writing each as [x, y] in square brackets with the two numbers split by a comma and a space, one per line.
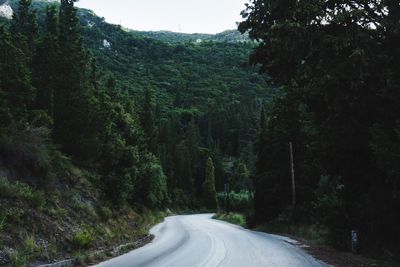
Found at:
[198, 240]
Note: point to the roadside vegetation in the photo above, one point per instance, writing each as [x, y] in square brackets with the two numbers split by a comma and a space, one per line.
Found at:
[232, 217]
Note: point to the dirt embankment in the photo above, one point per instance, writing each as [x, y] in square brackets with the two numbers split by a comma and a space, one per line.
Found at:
[66, 220]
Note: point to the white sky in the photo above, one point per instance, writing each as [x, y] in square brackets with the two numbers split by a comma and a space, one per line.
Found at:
[189, 16]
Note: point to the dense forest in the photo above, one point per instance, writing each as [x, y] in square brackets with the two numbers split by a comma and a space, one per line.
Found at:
[337, 64]
[101, 119]
[141, 114]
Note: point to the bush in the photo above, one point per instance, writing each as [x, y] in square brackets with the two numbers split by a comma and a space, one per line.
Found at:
[84, 239]
[105, 213]
[18, 259]
[85, 207]
[19, 190]
[81, 258]
[27, 254]
[151, 186]
[57, 213]
[235, 218]
[3, 218]
[330, 210]
[13, 215]
[28, 150]
[238, 202]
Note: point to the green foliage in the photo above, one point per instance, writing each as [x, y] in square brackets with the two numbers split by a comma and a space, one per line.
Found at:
[19, 190]
[16, 90]
[24, 27]
[209, 193]
[241, 177]
[120, 166]
[105, 213]
[84, 207]
[142, 115]
[311, 232]
[234, 218]
[229, 36]
[12, 215]
[151, 189]
[29, 251]
[147, 118]
[56, 213]
[339, 112]
[81, 258]
[85, 238]
[238, 201]
[329, 206]
[28, 149]
[45, 62]
[3, 220]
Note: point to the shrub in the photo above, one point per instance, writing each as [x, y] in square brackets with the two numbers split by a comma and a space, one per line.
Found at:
[57, 213]
[329, 208]
[85, 207]
[235, 218]
[19, 190]
[84, 239]
[151, 186]
[28, 150]
[3, 218]
[18, 259]
[14, 214]
[105, 213]
[6, 190]
[81, 258]
[240, 202]
[28, 253]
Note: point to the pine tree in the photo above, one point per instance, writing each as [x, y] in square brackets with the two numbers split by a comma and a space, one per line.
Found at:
[46, 63]
[15, 81]
[111, 87]
[209, 192]
[240, 178]
[147, 117]
[73, 96]
[24, 28]
[183, 168]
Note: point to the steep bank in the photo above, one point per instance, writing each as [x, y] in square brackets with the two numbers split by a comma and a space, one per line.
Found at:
[66, 220]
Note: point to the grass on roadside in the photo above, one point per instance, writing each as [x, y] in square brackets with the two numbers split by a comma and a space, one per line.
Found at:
[232, 217]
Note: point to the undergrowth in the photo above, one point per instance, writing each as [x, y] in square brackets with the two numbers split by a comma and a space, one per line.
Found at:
[232, 217]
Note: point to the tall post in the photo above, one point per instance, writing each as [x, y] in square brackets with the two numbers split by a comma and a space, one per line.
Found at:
[292, 171]
[227, 198]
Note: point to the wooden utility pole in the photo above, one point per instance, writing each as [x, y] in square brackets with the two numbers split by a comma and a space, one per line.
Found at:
[292, 171]
[227, 198]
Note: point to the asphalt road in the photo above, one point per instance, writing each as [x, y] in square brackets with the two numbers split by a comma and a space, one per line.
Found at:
[198, 240]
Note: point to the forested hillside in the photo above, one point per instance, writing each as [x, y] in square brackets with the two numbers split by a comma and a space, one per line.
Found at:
[99, 124]
[229, 36]
[337, 63]
[205, 99]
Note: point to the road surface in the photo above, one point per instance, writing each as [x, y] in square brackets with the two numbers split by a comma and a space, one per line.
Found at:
[198, 240]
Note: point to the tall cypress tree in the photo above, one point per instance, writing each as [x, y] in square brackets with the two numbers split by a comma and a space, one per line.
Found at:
[15, 81]
[72, 99]
[147, 117]
[209, 192]
[46, 63]
[25, 29]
